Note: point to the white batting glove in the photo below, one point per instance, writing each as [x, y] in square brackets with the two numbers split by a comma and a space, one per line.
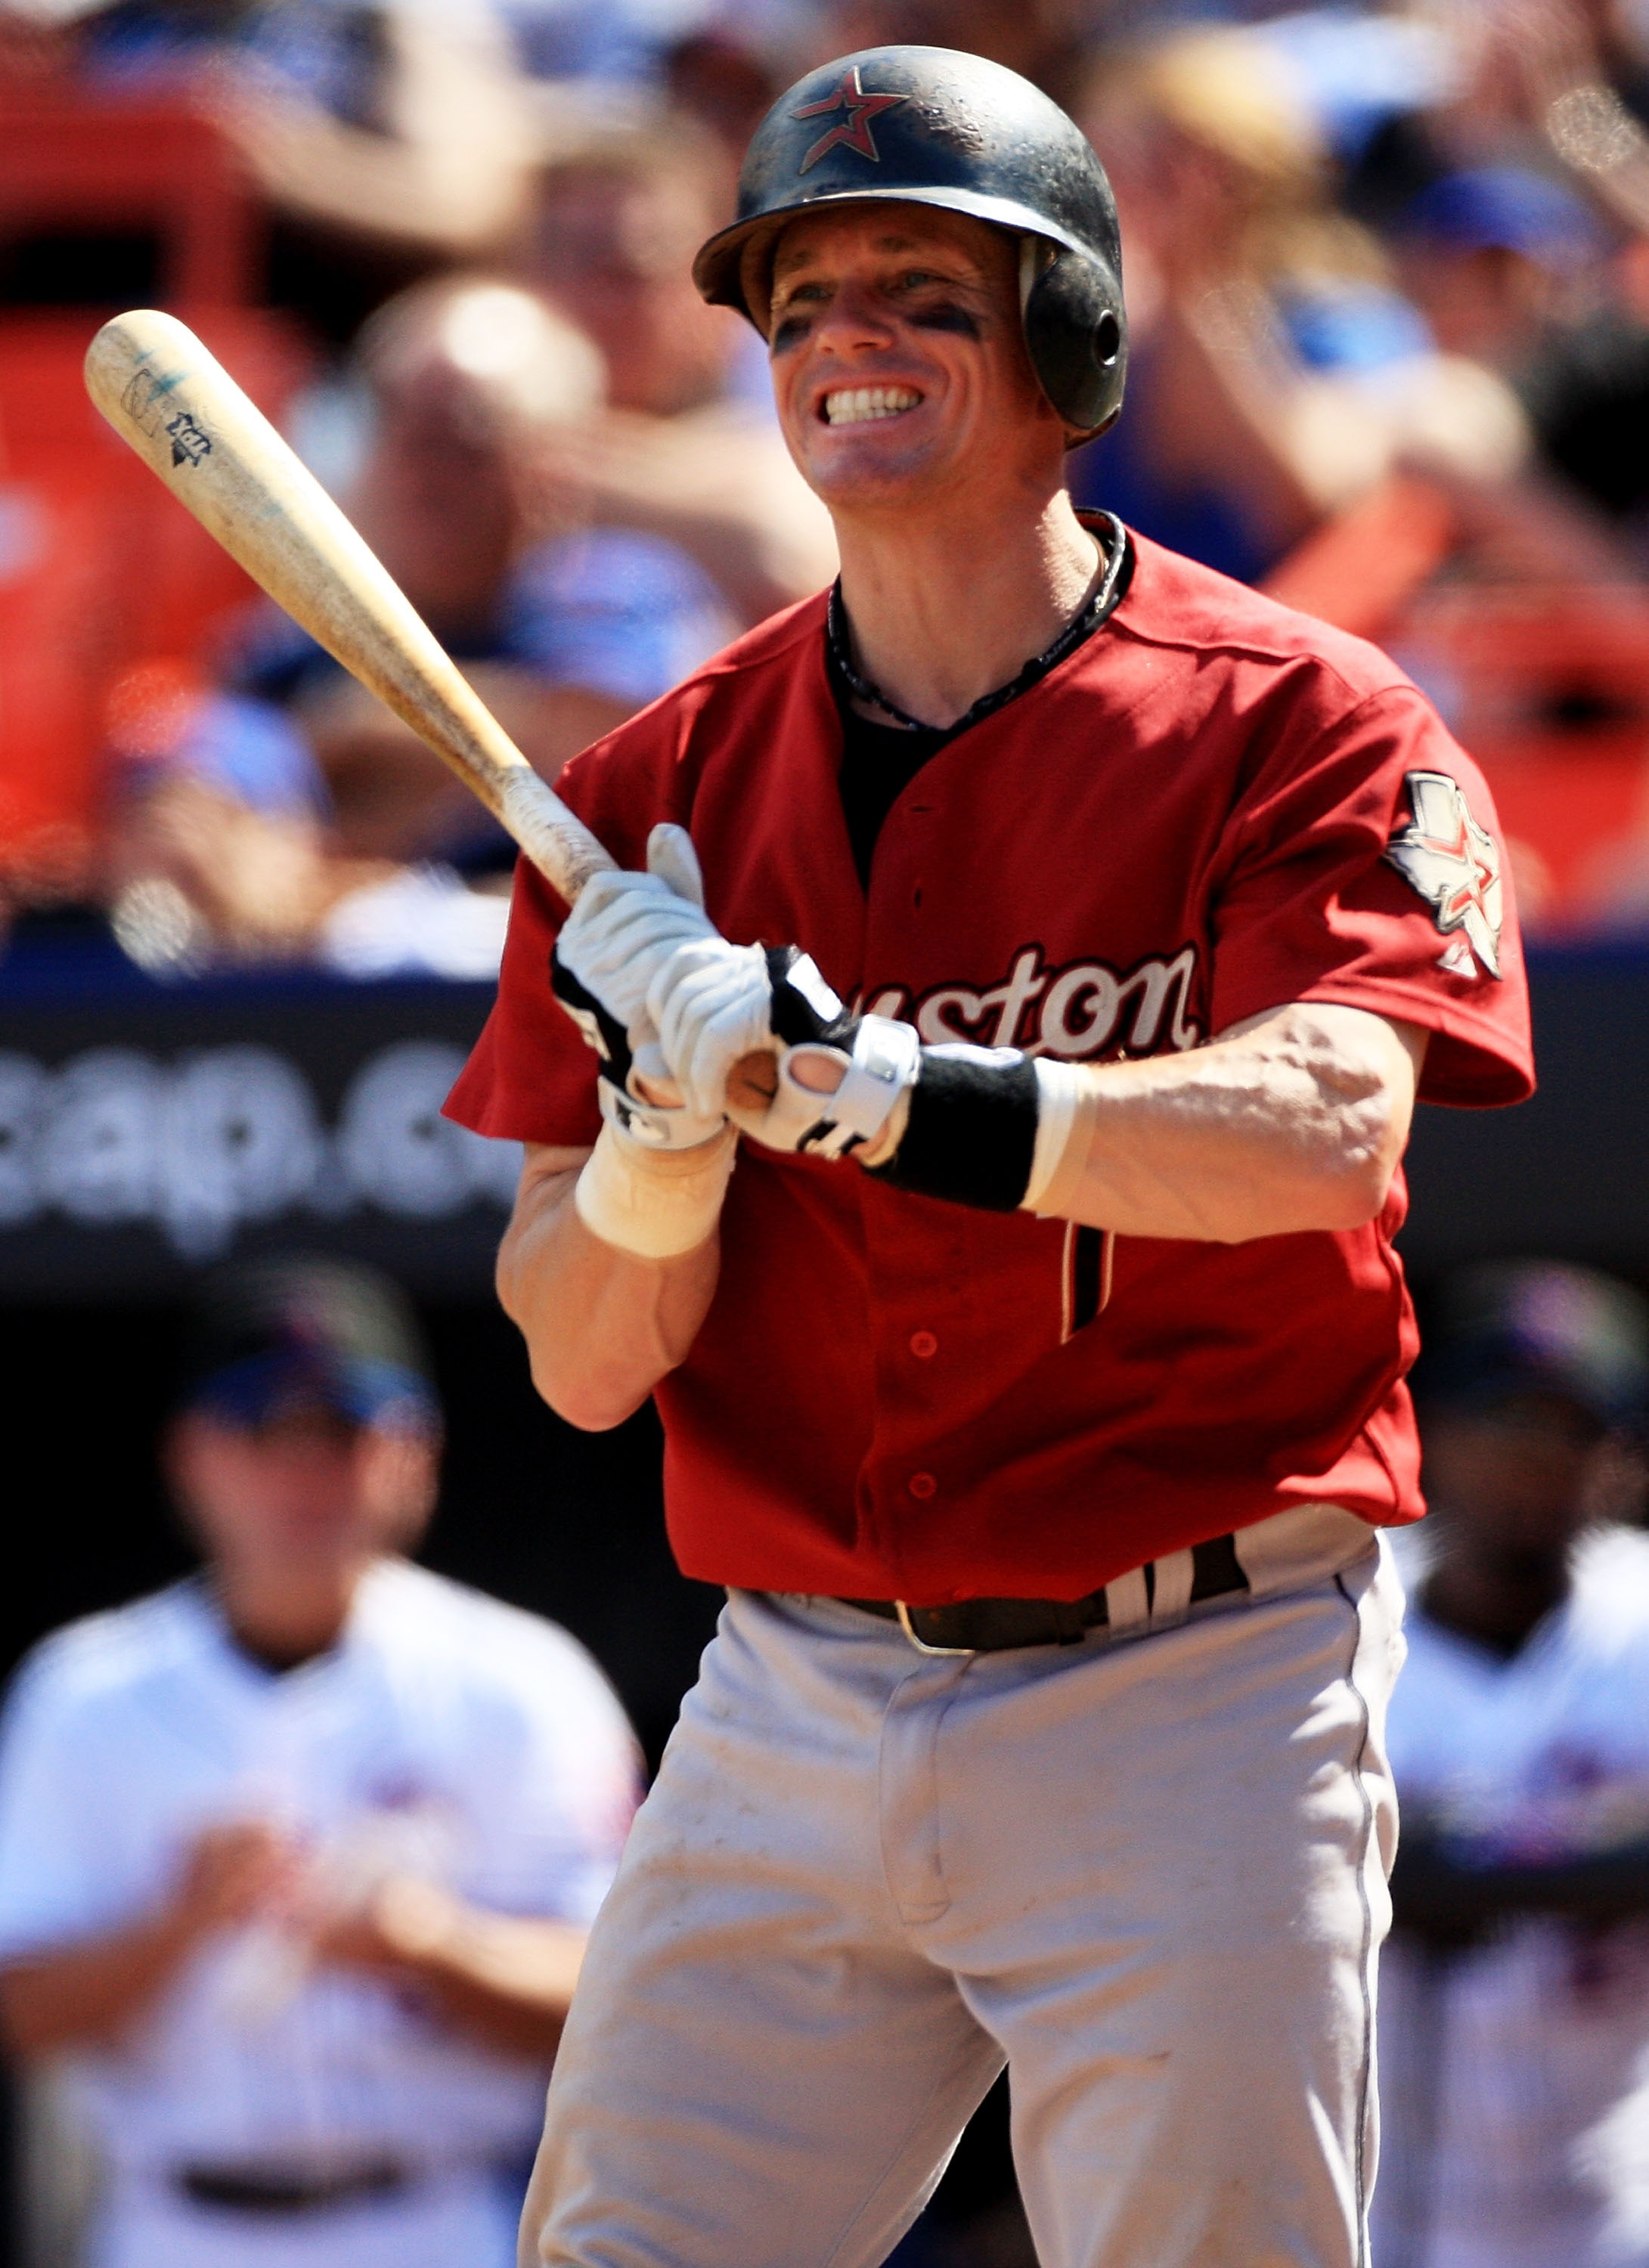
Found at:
[841, 1101]
[987, 1127]
[710, 1004]
[840, 1079]
[614, 939]
[626, 925]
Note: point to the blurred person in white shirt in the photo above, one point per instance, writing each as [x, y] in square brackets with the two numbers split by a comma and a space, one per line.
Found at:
[1514, 1991]
[296, 1857]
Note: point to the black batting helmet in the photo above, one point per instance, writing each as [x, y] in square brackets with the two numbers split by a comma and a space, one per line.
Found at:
[932, 126]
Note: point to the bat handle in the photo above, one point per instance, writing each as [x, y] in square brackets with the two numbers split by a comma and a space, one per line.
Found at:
[751, 1084]
[752, 1081]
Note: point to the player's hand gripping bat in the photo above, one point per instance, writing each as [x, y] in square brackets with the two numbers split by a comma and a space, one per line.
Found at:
[189, 422]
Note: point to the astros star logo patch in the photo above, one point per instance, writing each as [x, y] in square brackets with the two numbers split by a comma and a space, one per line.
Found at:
[852, 132]
[1453, 864]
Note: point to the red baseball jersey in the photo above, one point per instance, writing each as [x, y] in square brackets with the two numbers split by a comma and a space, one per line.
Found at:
[1211, 808]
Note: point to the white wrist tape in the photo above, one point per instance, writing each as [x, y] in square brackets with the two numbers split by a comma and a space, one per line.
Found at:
[654, 1203]
[1062, 1130]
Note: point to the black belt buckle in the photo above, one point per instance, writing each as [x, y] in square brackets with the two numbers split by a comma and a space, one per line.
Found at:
[904, 1613]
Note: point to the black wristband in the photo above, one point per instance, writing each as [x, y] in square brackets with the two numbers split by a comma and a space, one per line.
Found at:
[971, 1135]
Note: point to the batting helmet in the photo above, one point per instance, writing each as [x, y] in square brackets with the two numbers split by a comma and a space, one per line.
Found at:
[931, 125]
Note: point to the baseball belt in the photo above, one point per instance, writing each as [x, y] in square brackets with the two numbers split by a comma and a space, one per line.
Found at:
[278, 2190]
[995, 1625]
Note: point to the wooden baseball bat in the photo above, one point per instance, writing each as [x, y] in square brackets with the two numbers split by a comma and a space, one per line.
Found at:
[194, 428]
[192, 425]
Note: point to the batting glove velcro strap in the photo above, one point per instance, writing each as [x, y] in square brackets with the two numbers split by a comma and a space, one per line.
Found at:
[877, 1068]
[970, 1133]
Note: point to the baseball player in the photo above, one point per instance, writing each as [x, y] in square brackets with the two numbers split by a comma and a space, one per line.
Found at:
[296, 1856]
[1006, 1032]
[1514, 2008]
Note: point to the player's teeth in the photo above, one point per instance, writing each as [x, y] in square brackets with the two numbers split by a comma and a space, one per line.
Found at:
[854, 405]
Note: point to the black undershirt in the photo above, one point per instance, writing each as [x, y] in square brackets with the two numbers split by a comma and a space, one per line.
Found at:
[879, 762]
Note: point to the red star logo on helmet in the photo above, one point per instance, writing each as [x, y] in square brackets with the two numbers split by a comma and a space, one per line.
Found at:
[852, 132]
[1453, 862]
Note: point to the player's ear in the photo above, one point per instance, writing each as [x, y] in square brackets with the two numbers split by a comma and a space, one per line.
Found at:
[755, 280]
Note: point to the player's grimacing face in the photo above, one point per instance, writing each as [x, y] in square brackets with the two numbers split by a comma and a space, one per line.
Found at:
[899, 365]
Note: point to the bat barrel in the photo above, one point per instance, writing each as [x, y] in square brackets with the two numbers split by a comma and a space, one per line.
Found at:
[186, 417]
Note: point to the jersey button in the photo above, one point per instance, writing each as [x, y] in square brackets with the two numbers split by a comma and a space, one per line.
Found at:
[923, 1345]
[923, 1485]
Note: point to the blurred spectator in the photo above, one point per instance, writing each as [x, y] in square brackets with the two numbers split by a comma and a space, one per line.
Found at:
[1044, 41]
[1278, 375]
[284, 815]
[690, 450]
[1511, 267]
[387, 119]
[1495, 257]
[1588, 398]
[297, 1858]
[1514, 1993]
[722, 82]
[614, 226]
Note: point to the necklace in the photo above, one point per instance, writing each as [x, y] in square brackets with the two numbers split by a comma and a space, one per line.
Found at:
[1105, 595]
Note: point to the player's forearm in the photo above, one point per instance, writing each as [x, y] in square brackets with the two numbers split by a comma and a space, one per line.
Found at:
[602, 1326]
[503, 1980]
[88, 1995]
[1294, 1121]
[509, 1984]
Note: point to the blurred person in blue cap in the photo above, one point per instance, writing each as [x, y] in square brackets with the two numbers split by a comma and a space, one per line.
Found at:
[1514, 1992]
[1518, 270]
[296, 1857]
[1494, 256]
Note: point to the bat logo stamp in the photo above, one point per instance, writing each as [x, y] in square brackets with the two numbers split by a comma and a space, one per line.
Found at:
[190, 442]
[146, 399]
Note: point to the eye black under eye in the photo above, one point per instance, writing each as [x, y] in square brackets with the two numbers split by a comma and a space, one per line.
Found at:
[787, 332]
[946, 317]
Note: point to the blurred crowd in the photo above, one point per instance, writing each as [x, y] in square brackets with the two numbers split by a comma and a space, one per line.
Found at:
[1388, 276]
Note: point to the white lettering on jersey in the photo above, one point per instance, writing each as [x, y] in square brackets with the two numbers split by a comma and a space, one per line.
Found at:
[1077, 1011]
[1453, 862]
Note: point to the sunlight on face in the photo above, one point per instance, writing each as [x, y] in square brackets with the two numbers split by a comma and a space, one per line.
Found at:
[899, 364]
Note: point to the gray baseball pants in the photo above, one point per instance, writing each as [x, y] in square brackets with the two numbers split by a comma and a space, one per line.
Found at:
[1147, 1871]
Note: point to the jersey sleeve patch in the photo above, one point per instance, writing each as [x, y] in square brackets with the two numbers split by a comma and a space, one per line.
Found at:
[1455, 865]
